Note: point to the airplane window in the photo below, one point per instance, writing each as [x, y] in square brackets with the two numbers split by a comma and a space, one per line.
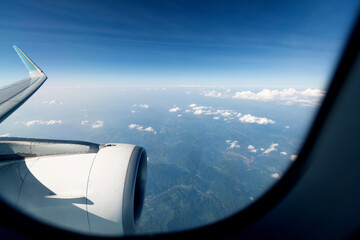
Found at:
[157, 116]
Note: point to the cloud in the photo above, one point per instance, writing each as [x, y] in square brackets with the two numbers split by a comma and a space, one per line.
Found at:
[293, 157]
[52, 101]
[233, 144]
[41, 122]
[271, 148]
[5, 135]
[289, 96]
[213, 94]
[313, 92]
[175, 109]
[131, 126]
[287, 127]
[97, 124]
[144, 106]
[227, 114]
[283, 153]
[141, 128]
[149, 129]
[275, 175]
[252, 149]
[248, 118]
[85, 122]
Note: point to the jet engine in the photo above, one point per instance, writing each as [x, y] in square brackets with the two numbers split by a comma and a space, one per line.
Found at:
[79, 186]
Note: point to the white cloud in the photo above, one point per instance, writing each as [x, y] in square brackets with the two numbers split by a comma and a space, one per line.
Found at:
[85, 122]
[175, 109]
[227, 114]
[52, 101]
[248, 118]
[179, 115]
[144, 106]
[41, 122]
[252, 149]
[293, 157]
[97, 124]
[283, 153]
[141, 128]
[149, 129]
[131, 126]
[313, 92]
[5, 135]
[287, 127]
[133, 111]
[233, 144]
[271, 148]
[307, 97]
[275, 175]
[212, 94]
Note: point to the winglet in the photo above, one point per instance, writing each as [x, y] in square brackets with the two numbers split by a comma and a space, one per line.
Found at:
[29, 64]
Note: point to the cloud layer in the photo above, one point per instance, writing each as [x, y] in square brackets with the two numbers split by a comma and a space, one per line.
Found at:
[227, 114]
[289, 96]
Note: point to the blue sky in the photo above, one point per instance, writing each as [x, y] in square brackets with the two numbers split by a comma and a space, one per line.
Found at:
[243, 43]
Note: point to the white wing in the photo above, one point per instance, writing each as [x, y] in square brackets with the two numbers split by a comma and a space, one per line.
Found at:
[14, 95]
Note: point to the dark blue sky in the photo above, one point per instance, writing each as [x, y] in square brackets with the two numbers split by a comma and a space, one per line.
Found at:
[245, 43]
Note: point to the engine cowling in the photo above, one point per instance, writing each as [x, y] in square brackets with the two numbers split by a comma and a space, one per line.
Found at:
[97, 191]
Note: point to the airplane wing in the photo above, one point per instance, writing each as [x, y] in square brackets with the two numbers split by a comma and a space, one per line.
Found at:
[14, 95]
[96, 189]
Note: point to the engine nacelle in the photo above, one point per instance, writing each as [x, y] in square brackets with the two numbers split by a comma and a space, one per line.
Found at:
[99, 190]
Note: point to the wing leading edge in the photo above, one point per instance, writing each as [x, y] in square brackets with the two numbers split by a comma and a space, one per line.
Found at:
[14, 95]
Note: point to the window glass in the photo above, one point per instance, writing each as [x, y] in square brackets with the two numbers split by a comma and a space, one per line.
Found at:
[220, 94]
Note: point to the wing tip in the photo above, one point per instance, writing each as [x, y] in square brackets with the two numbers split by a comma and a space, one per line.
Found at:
[29, 64]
